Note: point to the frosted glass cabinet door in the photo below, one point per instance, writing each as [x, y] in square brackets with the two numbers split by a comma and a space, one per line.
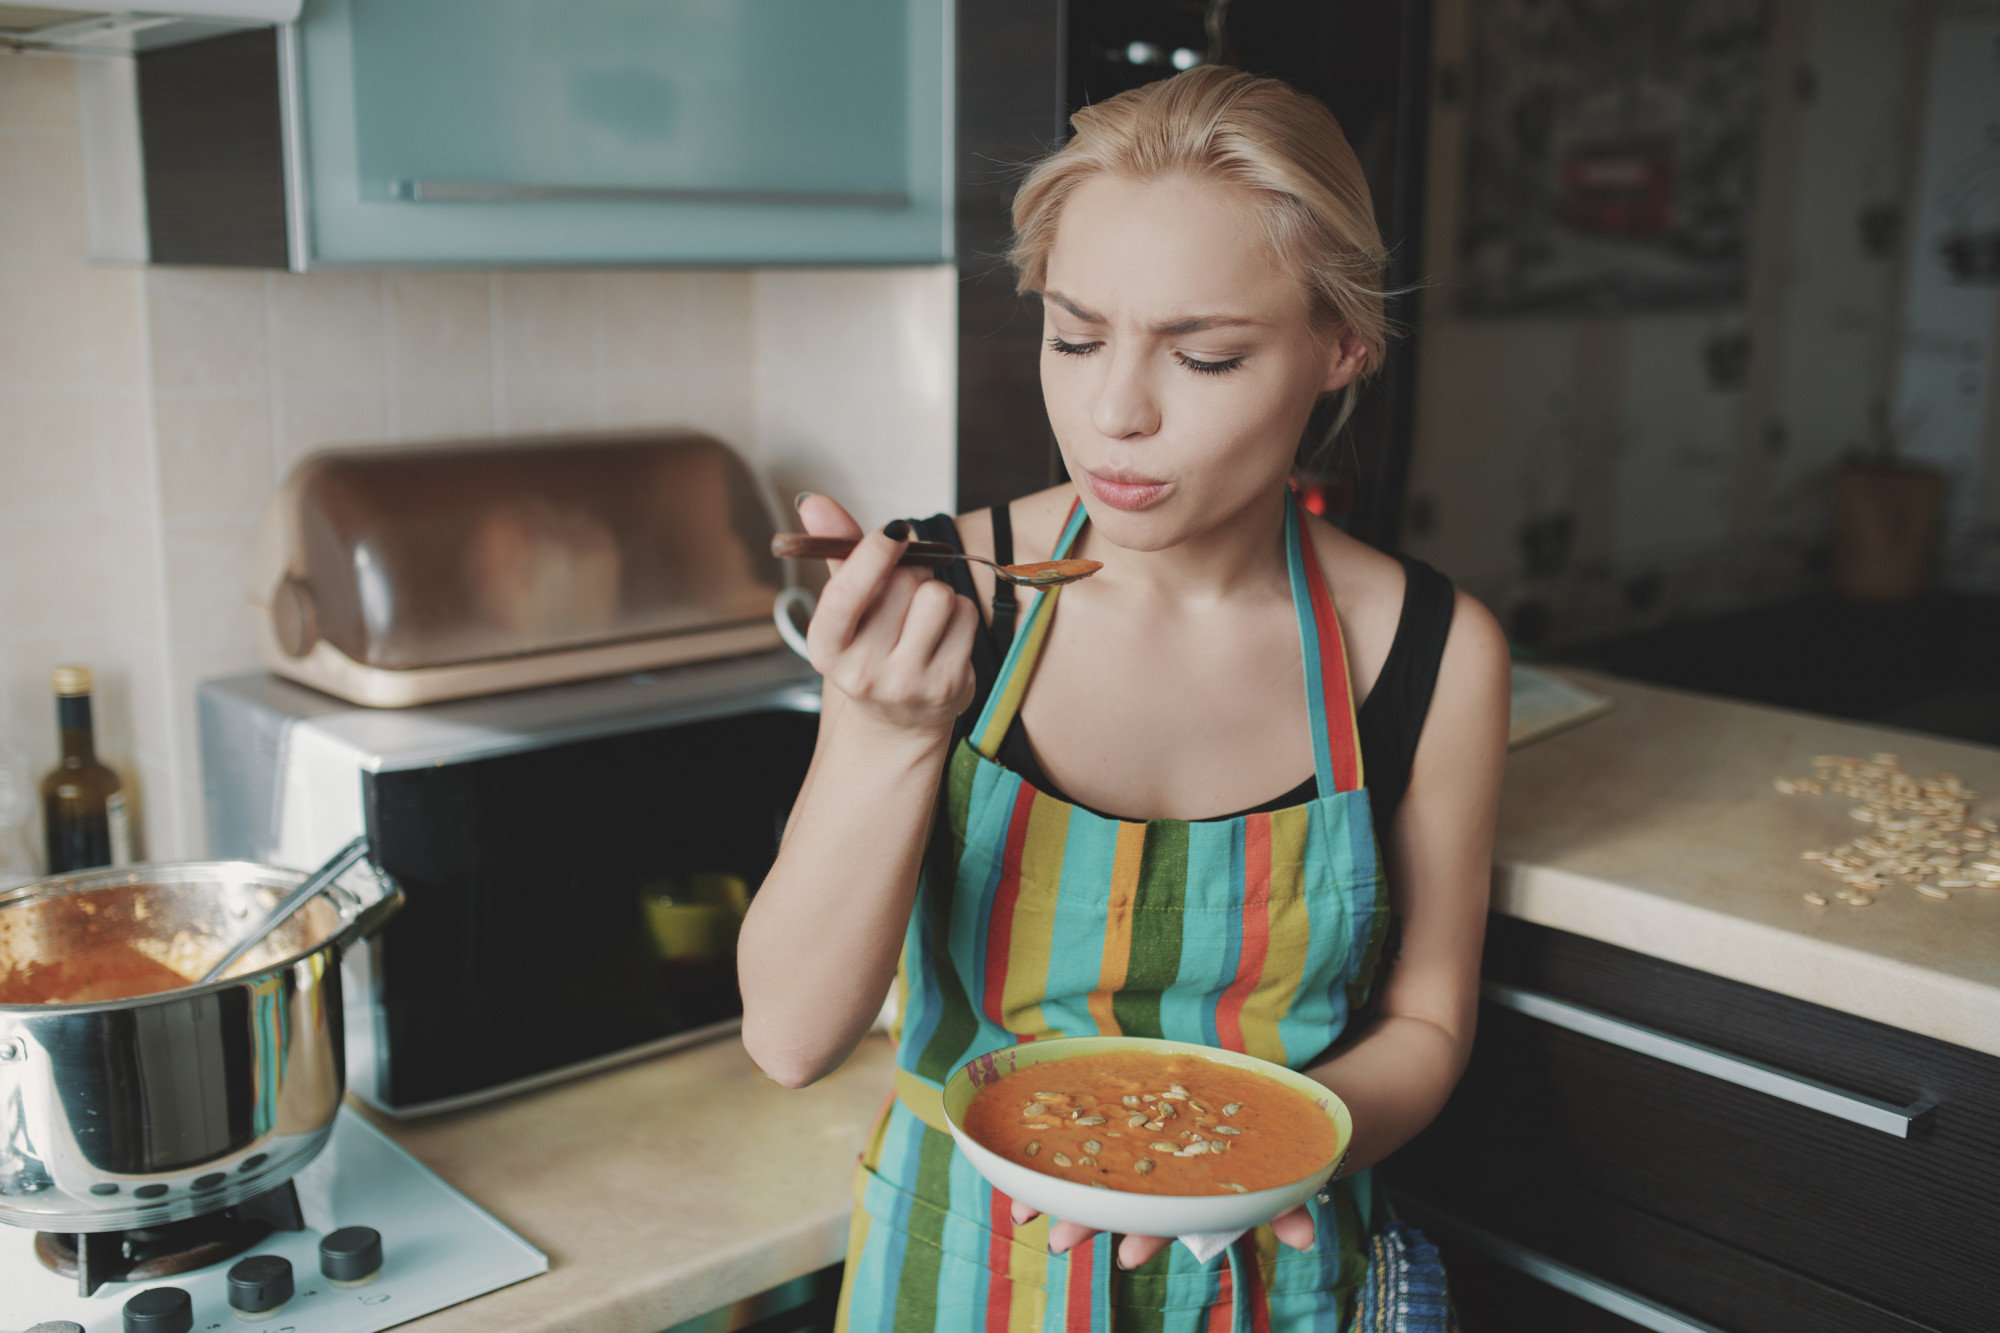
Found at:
[620, 131]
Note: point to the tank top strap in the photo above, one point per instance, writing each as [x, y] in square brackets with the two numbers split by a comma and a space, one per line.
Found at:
[1011, 685]
[1336, 739]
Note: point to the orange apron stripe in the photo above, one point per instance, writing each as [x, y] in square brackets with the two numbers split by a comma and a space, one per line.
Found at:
[1126, 861]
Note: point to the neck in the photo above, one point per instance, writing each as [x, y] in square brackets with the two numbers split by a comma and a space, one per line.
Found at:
[1243, 552]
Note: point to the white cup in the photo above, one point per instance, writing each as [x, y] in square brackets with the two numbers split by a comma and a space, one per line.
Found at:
[788, 628]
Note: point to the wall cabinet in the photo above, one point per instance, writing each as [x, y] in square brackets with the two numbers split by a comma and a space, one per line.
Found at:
[500, 132]
[1724, 1157]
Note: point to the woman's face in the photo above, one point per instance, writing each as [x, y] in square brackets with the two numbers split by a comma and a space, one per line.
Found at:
[1178, 364]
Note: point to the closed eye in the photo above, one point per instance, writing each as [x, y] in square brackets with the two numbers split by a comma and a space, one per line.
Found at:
[1208, 367]
[1057, 344]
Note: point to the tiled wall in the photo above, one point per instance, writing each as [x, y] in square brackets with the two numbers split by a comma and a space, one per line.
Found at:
[80, 540]
[837, 382]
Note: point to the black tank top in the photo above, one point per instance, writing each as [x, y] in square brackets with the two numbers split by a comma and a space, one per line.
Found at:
[1390, 719]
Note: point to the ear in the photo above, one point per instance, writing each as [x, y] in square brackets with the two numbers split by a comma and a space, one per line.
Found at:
[1345, 360]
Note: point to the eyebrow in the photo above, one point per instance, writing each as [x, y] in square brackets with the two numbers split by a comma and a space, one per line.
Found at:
[1193, 324]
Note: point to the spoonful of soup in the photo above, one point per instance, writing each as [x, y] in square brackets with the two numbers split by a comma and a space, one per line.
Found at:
[1034, 574]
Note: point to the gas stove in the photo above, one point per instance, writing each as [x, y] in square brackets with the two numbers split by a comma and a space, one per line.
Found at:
[383, 1240]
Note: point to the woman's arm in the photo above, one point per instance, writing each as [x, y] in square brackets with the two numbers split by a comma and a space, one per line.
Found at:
[818, 949]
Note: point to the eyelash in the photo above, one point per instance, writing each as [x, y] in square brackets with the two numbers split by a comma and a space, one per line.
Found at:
[1056, 344]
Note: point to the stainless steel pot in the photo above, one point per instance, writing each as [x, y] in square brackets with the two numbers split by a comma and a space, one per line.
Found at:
[145, 1110]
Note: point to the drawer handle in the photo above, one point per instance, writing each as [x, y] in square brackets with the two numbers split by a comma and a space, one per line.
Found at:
[1628, 1305]
[1898, 1121]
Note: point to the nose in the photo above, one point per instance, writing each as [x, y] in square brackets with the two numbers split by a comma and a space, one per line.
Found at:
[1125, 406]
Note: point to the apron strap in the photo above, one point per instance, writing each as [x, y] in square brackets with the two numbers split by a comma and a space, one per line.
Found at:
[1011, 685]
[1336, 738]
[1329, 694]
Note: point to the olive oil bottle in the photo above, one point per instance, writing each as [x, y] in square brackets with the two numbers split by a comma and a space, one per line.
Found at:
[83, 809]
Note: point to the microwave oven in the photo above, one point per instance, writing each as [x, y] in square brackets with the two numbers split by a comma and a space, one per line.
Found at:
[575, 858]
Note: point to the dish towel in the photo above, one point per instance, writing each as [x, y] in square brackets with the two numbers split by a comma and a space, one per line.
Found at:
[1205, 1245]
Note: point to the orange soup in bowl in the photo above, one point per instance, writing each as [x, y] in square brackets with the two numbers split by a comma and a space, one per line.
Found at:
[1152, 1123]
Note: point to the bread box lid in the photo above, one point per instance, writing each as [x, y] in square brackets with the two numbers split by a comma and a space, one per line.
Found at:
[414, 558]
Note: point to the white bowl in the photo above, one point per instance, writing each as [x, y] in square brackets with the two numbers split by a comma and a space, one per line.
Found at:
[1118, 1210]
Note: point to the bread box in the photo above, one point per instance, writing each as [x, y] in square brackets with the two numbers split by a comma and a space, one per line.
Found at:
[401, 575]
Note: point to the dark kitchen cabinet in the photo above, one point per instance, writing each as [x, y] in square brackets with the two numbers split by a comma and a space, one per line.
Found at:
[502, 132]
[1025, 65]
[1633, 1127]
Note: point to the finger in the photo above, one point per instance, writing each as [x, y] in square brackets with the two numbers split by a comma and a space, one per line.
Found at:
[924, 626]
[953, 658]
[1136, 1250]
[1023, 1214]
[882, 623]
[1066, 1236]
[854, 588]
[1295, 1228]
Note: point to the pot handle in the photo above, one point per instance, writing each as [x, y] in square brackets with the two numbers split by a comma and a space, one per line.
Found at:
[370, 911]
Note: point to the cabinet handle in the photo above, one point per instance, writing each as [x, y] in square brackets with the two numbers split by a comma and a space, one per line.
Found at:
[427, 191]
[1898, 1121]
[1629, 1305]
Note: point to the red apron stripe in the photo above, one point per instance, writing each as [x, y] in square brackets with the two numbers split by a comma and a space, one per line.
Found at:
[1256, 932]
[1000, 1283]
[1076, 1290]
[1253, 1281]
[1000, 929]
[1222, 1313]
[1342, 740]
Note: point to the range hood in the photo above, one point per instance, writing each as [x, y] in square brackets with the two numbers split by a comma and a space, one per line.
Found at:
[83, 28]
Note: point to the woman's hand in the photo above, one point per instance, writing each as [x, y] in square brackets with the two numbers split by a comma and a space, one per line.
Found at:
[895, 642]
[1294, 1229]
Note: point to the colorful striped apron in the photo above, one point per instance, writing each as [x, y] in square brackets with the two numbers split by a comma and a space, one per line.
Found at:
[1037, 918]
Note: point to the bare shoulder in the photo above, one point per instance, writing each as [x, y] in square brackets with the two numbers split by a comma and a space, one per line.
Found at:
[1474, 683]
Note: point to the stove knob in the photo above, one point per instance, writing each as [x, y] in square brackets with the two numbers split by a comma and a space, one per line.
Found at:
[57, 1326]
[260, 1284]
[159, 1310]
[351, 1255]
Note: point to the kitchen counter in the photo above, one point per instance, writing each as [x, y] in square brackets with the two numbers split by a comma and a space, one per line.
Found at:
[1658, 828]
[660, 1190]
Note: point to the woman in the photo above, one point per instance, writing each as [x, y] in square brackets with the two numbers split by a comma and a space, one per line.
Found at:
[1209, 271]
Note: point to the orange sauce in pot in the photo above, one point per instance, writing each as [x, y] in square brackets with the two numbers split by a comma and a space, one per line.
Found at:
[108, 972]
[1152, 1123]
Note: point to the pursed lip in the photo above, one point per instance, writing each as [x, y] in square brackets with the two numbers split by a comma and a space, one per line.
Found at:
[1122, 488]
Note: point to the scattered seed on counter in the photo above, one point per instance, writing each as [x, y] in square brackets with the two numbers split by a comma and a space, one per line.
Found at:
[1920, 830]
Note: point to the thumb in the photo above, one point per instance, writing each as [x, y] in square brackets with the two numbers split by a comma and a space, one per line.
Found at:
[823, 516]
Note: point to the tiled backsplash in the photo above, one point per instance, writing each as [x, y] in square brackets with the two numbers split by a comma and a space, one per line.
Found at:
[146, 415]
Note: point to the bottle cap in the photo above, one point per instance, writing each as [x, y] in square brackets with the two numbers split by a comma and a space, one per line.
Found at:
[71, 679]
[159, 1310]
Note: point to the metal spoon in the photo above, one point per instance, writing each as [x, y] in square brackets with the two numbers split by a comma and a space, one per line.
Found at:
[311, 886]
[1035, 574]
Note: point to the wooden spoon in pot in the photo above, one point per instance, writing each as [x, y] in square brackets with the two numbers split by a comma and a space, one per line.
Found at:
[1035, 574]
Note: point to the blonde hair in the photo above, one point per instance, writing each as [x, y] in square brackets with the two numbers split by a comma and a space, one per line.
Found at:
[1261, 135]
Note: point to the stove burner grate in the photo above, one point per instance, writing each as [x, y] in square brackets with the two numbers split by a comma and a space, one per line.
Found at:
[146, 1253]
